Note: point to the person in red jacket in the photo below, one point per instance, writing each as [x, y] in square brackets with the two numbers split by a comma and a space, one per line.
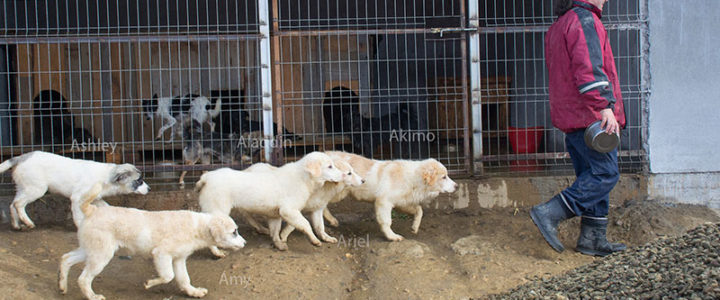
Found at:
[584, 88]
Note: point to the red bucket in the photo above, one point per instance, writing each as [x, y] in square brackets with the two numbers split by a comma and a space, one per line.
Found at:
[522, 141]
[525, 140]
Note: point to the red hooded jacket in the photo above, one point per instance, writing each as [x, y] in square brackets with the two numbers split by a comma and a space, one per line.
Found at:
[582, 75]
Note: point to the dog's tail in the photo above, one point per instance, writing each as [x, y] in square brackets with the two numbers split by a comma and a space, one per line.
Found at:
[200, 184]
[216, 111]
[8, 164]
[86, 203]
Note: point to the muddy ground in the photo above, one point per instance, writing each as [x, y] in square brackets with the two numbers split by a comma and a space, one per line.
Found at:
[456, 254]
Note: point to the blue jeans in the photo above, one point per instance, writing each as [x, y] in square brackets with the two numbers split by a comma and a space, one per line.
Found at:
[597, 173]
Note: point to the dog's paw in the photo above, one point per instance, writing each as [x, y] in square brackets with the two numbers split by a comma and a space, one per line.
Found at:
[281, 246]
[197, 292]
[218, 253]
[395, 237]
[97, 297]
[316, 242]
[16, 226]
[26, 227]
[415, 230]
[334, 223]
[330, 239]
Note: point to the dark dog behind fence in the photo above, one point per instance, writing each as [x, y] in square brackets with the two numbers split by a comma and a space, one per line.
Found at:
[54, 123]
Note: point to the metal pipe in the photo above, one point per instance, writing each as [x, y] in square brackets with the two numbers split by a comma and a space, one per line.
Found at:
[126, 38]
[266, 78]
[475, 86]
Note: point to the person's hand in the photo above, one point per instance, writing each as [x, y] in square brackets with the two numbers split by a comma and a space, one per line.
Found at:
[609, 123]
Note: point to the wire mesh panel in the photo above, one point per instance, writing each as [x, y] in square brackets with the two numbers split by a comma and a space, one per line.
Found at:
[174, 86]
[384, 79]
[518, 136]
[169, 86]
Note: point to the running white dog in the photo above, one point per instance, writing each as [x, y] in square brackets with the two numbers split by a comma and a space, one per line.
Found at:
[401, 184]
[38, 172]
[278, 194]
[168, 236]
[330, 192]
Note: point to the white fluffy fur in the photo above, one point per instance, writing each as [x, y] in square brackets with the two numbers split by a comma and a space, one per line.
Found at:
[168, 236]
[278, 194]
[318, 201]
[38, 172]
[401, 184]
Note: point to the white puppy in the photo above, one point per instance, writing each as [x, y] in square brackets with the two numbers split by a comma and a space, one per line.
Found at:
[278, 194]
[38, 172]
[330, 192]
[168, 236]
[401, 184]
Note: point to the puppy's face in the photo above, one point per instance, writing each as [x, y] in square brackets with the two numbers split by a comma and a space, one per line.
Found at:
[435, 175]
[350, 177]
[130, 179]
[224, 232]
[321, 167]
[149, 107]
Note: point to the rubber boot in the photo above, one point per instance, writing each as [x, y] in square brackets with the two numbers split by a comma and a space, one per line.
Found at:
[593, 238]
[547, 216]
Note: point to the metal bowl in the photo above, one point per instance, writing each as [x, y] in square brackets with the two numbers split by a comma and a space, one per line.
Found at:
[599, 140]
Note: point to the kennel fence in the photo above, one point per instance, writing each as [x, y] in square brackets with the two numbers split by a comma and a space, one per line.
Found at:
[463, 82]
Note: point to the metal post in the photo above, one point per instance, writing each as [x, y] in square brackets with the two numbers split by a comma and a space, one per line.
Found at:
[475, 85]
[266, 78]
[645, 79]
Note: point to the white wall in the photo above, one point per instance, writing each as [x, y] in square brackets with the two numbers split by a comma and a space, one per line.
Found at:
[684, 106]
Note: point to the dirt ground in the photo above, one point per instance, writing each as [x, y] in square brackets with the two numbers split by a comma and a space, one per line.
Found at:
[456, 254]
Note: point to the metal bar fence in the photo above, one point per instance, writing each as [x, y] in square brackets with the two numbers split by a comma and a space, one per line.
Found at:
[517, 134]
[385, 79]
[105, 80]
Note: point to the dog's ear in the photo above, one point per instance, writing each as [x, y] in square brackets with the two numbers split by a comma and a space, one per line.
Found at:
[430, 172]
[124, 172]
[217, 229]
[154, 96]
[314, 167]
[121, 177]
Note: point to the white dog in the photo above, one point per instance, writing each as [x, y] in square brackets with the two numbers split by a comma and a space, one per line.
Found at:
[278, 194]
[168, 236]
[401, 184]
[330, 192]
[38, 172]
[179, 112]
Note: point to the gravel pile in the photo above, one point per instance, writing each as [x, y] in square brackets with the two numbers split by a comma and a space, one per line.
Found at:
[687, 267]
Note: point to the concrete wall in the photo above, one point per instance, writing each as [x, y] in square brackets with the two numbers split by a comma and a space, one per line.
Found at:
[683, 106]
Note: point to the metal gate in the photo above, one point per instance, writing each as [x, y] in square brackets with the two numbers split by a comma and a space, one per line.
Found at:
[514, 134]
[463, 82]
[385, 79]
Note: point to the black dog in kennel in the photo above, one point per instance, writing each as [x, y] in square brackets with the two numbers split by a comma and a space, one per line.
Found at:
[392, 126]
[54, 124]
